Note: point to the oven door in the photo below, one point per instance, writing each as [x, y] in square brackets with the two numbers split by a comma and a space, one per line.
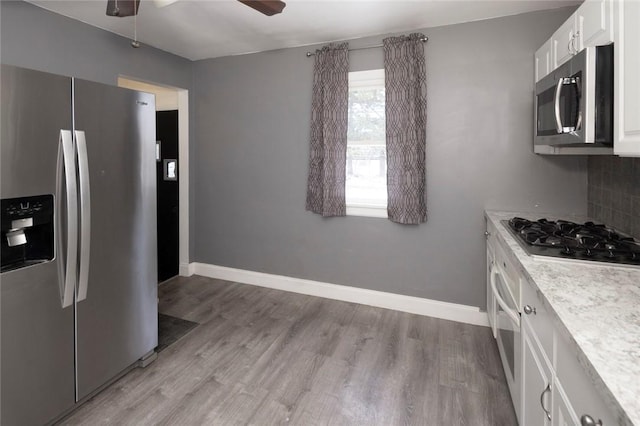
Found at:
[507, 332]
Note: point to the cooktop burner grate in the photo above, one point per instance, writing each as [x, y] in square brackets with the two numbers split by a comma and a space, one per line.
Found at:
[587, 241]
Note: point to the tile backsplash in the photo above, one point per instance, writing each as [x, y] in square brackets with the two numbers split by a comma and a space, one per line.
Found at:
[614, 192]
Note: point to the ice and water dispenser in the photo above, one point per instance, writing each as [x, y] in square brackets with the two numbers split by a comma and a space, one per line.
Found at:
[27, 231]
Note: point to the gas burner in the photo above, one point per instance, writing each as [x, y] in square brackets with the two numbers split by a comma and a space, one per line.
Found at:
[569, 240]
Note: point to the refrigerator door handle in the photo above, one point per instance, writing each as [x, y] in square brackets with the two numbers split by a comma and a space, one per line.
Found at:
[85, 215]
[66, 166]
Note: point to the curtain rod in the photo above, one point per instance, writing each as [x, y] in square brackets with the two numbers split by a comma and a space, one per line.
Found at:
[423, 39]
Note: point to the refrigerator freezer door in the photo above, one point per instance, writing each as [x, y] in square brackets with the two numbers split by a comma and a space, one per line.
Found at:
[37, 348]
[117, 322]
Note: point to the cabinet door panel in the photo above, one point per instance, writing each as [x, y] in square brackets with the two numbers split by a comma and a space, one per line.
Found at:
[594, 23]
[543, 61]
[582, 395]
[561, 42]
[627, 79]
[536, 376]
[563, 414]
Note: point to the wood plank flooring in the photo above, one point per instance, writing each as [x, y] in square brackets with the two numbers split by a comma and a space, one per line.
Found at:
[267, 357]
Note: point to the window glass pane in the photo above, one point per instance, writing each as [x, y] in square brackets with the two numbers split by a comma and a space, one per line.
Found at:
[366, 148]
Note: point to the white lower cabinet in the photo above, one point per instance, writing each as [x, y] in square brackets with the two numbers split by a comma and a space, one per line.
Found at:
[551, 386]
[536, 382]
[556, 390]
[581, 394]
[562, 413]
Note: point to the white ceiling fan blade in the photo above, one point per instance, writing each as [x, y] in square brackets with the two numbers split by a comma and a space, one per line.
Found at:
[163, 3]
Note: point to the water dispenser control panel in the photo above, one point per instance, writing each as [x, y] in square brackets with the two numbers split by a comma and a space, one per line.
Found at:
[27, 234]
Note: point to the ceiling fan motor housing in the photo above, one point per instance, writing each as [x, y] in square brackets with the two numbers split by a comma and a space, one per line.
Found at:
[122, 8]
[267, 7]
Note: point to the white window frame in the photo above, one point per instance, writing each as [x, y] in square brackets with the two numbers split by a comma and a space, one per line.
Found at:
[362, 79]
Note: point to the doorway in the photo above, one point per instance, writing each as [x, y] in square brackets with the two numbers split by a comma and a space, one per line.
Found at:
[172, 177]
[167, 178]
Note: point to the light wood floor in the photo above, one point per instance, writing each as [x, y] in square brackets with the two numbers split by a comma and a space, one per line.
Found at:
[264, 357]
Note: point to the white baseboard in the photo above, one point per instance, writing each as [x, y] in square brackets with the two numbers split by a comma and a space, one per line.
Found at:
[380, 299]
[186, 269]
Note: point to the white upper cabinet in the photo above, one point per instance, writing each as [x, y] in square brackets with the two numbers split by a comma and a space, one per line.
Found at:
[590, 25]
[594, 24]
[543, 61]
[627, 78]
[563, 42]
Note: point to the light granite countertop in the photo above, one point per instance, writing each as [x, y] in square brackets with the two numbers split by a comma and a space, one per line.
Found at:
[597, 308]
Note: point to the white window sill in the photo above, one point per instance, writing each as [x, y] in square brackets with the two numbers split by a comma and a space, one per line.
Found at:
[367, 211]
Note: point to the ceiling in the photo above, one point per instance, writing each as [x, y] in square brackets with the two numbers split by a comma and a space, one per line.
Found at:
[211, 28]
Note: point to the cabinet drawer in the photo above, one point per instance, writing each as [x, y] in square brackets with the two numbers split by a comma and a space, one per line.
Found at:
[580, 390]
[539, 318]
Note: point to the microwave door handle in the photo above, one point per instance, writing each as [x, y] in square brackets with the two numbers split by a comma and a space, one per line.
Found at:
[576, 81]
[556, 101]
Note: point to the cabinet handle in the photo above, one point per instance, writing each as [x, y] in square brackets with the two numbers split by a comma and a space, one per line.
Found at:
[587, 420]
[570, 46]
[574, 42]
[529, 310]
[487, 233]
[547, 412]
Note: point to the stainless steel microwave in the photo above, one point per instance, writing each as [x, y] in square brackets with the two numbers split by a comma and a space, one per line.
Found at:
[574, 103]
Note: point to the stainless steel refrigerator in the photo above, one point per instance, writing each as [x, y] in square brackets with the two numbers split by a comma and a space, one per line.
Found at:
[78, 300]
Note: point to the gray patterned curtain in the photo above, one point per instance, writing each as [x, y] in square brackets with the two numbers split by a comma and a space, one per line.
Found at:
[329, 112]
[406, 118]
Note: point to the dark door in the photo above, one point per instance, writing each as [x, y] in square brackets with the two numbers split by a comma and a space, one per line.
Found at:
[167, 183]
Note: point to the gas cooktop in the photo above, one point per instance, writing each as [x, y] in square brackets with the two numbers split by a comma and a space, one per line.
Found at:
[578, 241]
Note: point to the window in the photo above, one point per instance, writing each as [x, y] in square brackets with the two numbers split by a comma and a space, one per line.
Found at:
[366, 187]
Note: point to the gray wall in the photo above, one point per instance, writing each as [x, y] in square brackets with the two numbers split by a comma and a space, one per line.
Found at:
[250, 131]
[32, 37]
[614, 192]
[249, 164]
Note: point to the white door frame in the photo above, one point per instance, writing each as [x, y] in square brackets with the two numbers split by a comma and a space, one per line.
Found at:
[174, 98]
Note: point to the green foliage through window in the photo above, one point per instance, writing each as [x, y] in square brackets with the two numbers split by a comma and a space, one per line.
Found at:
[366, 115]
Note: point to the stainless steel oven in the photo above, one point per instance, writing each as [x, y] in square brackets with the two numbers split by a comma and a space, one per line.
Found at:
[506, 327]
[574, 103]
